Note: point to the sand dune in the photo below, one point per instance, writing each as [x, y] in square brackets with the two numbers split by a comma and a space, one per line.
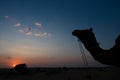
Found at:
[107, 73]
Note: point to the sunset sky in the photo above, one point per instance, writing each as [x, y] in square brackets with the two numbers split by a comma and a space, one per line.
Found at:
[39, 32]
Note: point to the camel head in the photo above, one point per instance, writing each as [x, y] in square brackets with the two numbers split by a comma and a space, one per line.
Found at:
[83, 35]
[109, 57]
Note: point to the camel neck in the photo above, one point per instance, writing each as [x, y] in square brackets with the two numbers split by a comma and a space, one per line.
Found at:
[92, 47]
[91, 44]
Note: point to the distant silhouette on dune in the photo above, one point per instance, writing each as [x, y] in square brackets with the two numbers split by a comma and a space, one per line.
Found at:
[109, 57]
[21, 68]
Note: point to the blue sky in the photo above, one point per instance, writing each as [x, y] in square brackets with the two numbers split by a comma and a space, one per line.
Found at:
[39, 32]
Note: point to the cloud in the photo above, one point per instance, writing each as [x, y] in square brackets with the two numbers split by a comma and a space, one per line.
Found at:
[9, 57]
[17, 25]
[6, 17]
[38, 24]
[49, 34]
[42, 34]
[28, 29]
[37, 34]
[29, 33]
[33, 32]
[21, 31]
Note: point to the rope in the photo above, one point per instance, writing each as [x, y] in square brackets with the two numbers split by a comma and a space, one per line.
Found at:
[84, 58]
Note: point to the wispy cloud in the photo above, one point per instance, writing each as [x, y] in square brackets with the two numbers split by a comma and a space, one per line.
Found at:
[28, 29]
[38, 24]
[39, 34]
[17, 25]
[29, 33]
[42, 34]
[6, 17]
[21, 31]
[9, 57]
[49, 34]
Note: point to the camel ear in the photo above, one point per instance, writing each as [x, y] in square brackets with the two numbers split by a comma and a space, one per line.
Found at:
[91, 29]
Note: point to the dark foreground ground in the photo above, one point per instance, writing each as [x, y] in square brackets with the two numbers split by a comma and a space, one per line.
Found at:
[108, 73]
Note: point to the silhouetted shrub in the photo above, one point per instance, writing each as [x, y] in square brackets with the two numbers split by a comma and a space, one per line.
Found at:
[21, 68]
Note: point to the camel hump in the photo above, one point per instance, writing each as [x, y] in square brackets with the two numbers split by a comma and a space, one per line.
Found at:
[117, 41]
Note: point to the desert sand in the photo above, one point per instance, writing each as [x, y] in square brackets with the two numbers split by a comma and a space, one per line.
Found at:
[99, 73]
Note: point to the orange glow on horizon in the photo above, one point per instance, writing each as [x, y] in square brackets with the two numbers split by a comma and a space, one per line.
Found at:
[14, 62]
[14, 65]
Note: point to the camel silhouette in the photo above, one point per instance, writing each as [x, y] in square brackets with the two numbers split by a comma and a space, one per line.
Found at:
[108, 57]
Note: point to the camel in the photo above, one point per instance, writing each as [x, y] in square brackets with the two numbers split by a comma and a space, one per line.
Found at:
[109, 57]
